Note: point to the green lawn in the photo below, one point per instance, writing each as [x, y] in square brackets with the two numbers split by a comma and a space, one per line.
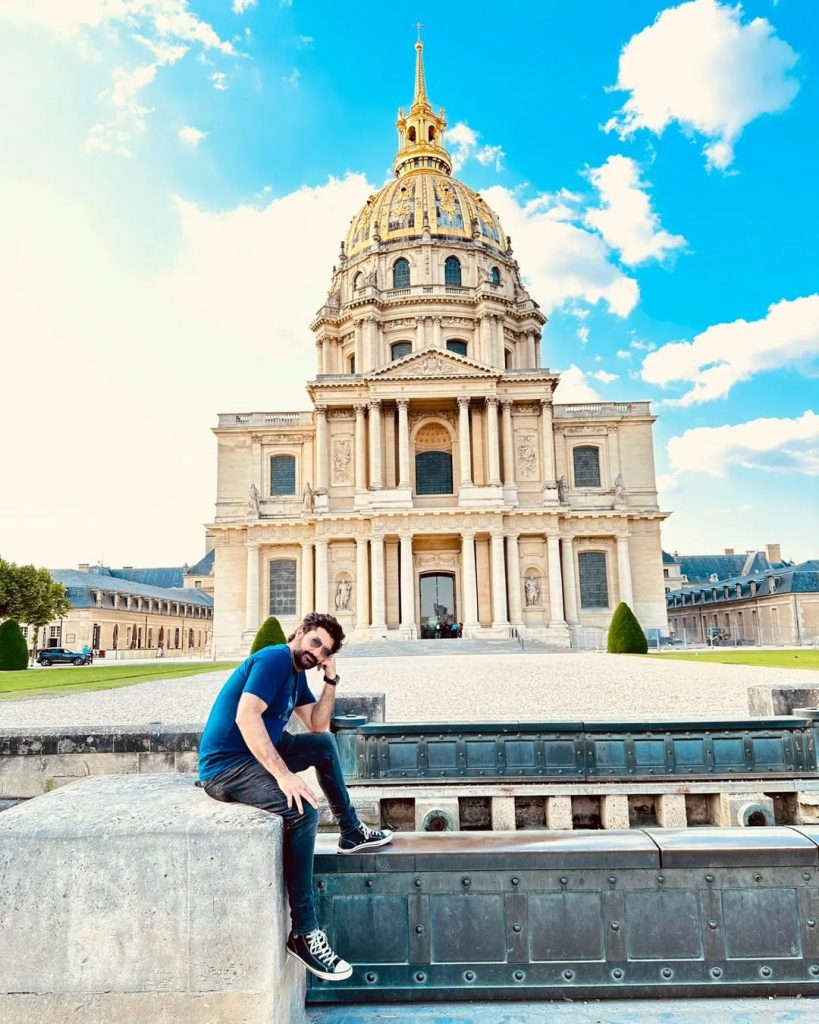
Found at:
[766, 659]
[52, 682]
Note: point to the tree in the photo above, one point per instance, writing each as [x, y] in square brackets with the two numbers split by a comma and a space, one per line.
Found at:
[30, 595]
[626, 635]
[13, 647]
[270, 633]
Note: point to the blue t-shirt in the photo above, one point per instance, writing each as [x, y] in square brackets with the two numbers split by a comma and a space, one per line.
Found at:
[268, 674]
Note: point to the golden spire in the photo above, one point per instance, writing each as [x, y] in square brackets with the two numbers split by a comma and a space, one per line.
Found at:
[421, 131]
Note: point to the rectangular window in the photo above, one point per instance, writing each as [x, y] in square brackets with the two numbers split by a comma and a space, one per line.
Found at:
[283, 587]
[53, 632]
[586, 459]
[594, 587]
[282, 475]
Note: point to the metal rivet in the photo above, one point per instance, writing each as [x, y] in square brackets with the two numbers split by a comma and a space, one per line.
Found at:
[419, 929]
[712, 924]
[564, 880]
[811, 923]
[806, 875]
[667, 972]
[661, 879]
[322, 885]
[516, 927]
[612, 879]
[518, 975]
[466, 882]
[369, 977]
[568, 975]
[814, 970]
[420, 976]
[716, 972]
[766, 972]
[617, 973]
[757, 877]
[369, 883]
[615, 926]
[515, 880]
[418, 883]
[469, 975]
[709, 878]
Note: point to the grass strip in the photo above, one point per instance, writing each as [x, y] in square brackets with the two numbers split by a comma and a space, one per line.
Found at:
[804, 659]
[53, 682]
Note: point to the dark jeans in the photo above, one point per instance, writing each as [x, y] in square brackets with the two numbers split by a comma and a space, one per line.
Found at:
[250, 783]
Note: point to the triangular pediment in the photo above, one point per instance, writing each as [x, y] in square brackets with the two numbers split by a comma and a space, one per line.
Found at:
[432, 363]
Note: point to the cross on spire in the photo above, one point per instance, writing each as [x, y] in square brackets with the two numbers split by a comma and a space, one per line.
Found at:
[418, 27]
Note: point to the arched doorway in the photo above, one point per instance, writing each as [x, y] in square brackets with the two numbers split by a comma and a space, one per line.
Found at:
[438, 608]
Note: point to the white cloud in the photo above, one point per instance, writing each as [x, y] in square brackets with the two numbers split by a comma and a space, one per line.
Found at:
[770, 445]
[701, 66]
[725, 354]
[306, 42]
[219, 79]
[292, 78]
[462, 143]
[562, 262]
[490, 155]
[626, 220]
[240, 6]
[573, 388]
[583, 334]
[623, 353]
[191, 136]
[604, 377]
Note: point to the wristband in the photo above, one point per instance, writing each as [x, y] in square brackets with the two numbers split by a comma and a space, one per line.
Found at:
[332, 682]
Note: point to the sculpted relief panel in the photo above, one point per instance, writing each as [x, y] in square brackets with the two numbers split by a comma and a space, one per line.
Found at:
[527, 457]
[342, 461]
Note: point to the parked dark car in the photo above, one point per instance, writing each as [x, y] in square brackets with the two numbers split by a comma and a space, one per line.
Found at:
[62, 656]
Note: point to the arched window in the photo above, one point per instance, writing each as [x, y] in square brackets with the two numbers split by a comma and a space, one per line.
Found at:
[399, 349]
[433, 473]
[283, 587]
[282, 475]
[401, 273]
[456, 346]
[586, 460]
[452, 271]
[496, 278]
[594, 586]
[351, 363]
[358, 281]
[507, 358]
[411, 134]
[431, 133]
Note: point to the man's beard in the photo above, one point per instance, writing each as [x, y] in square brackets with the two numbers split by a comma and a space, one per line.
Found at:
[305, 659]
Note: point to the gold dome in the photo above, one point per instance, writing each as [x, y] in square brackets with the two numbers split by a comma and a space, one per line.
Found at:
[421, 201]
[424, 198]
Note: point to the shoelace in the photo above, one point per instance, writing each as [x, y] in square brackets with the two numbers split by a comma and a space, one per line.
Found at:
[320, 947]
[371, 833]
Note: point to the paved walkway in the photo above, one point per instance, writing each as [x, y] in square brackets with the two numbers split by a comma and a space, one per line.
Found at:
[507, 686]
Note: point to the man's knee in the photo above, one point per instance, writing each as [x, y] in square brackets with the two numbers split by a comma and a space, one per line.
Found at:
[306, 820]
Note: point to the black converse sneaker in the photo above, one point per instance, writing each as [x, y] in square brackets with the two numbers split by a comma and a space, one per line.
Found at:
[314, 951]
[364, 839]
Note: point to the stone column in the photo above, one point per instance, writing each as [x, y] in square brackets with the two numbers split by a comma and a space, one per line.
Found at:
[307, 599]
[499, 613]
[320, 356]
[556, 609]
[494, 454]
[486, 340]
[436, 332]
[375, 444]
[463, 441]
[508, 443]
[469, 585]
[377, 580]
[362, 580]
[407, 583]
[530, 350]
[375, 355]
[322, 598]
[360, 449]
[513, 579]
[569, 588]
[614, 455]
[359, 347]
[500, 343]
[420, 341]
[403, 443]
[321, 449]
[624, 571]
[252, 591]
[547, 442]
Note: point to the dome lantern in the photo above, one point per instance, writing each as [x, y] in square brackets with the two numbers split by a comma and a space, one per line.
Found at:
[421, 131]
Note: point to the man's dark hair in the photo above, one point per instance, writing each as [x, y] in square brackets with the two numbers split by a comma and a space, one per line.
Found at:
[320, 620]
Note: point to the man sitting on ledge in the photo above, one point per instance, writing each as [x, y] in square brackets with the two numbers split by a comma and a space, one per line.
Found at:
[246, 756]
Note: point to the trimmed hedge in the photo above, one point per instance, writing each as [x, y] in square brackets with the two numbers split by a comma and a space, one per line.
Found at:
[270, 633]
[13, 647]
[625, 633]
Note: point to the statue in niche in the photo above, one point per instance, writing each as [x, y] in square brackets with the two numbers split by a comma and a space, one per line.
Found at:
[532, 590]
[307, 498]
[343, 591]
[562, 488]
[527, 458]
[254, 507]
[619, 490]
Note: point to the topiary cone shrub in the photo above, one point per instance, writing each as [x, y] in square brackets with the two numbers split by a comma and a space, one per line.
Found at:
[626, 635]
[13, 647]
[270, 633]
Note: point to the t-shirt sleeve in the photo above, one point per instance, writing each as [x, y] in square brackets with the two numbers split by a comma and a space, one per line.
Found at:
[305, 694]
[270, 670]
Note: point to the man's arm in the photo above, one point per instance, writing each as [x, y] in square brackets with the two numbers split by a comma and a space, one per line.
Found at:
[254, 733]
[317, 717]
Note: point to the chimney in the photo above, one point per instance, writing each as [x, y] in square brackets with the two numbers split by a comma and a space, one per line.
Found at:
[774, 552]
[729, 551]
[83, 566]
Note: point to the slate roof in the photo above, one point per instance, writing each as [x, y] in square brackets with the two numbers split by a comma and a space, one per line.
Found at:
[787, 579]
[81, 587]
[171, 576]
[700, 568]
[204, 567]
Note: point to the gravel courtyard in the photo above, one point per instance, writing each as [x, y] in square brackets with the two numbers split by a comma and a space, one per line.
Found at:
[482, 687]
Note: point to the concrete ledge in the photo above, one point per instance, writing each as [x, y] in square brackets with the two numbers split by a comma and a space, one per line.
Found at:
[140, 898]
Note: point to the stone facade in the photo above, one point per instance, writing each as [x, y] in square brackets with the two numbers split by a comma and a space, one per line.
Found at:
[435, 481]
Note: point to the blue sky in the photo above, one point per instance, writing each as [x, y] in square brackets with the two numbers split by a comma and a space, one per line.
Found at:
[175, 178]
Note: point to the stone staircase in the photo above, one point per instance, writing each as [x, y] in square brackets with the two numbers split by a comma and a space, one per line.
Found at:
[446, 648]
